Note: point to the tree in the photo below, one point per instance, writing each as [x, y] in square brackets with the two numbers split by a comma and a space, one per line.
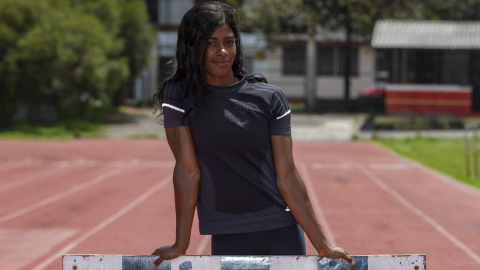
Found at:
[127, 21]
[467, 10]
[58, 51]
[16, 18]
[137, 34]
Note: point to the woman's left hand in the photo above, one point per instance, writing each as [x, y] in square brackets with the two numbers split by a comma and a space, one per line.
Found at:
[167, 253]
[337, 252]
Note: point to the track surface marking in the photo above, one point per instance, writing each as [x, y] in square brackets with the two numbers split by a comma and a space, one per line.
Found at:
[116, 197]
[422, 215]
[316, 205]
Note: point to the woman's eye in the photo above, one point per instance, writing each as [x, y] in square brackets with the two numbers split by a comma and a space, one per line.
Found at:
[211, 43]
[230, 42]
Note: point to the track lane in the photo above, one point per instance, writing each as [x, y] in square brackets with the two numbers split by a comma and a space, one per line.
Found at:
[425, 217]
[414, 233]
[54, 258]
[368, 220]
[363, 217]
[88, 208]
[22, 196]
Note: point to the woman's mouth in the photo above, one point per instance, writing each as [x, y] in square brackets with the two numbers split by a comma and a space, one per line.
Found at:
[221, 63]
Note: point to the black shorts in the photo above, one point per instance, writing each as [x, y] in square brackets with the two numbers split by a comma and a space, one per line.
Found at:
[288, 240]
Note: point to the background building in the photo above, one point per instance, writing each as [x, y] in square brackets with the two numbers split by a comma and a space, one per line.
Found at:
[286, 65]
[436, 56]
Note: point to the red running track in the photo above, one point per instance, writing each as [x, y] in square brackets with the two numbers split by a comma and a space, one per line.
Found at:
[116, 197]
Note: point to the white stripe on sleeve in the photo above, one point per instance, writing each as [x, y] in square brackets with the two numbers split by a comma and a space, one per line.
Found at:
[175, 108]
[283, 115]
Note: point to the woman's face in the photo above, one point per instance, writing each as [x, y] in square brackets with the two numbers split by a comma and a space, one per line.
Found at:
[221, 52]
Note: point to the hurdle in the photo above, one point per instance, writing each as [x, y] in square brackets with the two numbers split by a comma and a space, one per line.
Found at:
[133, 262]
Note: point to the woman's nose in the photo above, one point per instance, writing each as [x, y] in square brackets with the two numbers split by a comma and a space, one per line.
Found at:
[223, 52]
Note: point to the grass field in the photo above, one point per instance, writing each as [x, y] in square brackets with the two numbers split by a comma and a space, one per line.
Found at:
[444, 155]
[69, 126]
[59, 131]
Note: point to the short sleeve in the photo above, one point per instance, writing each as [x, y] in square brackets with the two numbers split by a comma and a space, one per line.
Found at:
[280, 122]
[173, 106]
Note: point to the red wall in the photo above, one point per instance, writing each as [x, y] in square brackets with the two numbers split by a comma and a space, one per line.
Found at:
[430, 102]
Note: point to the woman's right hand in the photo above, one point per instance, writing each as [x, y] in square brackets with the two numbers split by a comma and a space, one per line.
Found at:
[167, 253]
[337, 252]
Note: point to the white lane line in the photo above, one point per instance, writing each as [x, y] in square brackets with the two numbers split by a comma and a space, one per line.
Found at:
[105, 223]
[30, 178]
[447, 179]
[389, 166]
[20, 164]
[331, 165]
[419, 213]
[316, 203]
[90, 163]
[202, 246]
[438, 175]
[63, 194]
[36, 176]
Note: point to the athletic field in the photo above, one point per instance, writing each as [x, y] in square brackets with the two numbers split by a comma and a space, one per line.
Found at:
[116, 197]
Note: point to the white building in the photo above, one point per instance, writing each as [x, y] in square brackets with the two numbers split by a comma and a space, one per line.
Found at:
[286, 65]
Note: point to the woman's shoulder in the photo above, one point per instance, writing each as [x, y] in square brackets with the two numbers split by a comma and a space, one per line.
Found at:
[264, 88]
[175, 84]
[175, 89]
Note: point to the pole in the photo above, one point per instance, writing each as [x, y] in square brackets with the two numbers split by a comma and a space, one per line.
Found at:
[348, 60]
[475, 150]
[467, 150]
[311, 73]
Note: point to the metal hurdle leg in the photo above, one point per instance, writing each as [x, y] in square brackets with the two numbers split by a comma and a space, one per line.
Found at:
[467, 150]
[475, 150]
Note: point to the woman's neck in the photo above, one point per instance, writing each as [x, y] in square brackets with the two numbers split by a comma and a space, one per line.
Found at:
[221, 81]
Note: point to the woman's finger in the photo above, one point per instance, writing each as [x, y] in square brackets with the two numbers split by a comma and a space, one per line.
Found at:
[158, 261]
[348, 259]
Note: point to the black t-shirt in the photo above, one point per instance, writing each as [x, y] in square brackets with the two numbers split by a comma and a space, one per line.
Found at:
[231, 130]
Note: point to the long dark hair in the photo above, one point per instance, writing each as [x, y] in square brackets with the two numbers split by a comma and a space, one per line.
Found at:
[197, 26]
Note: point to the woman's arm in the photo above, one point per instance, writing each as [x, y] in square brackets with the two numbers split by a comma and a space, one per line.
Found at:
[295, 194]
[186, 178]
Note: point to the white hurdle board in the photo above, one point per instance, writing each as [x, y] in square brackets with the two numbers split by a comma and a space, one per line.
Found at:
[133, 262]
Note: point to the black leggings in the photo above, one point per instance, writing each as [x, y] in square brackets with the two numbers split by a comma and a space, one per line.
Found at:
[282, 241]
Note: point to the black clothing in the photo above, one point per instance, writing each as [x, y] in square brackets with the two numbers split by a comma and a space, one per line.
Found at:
[231, 130]
[288, 240]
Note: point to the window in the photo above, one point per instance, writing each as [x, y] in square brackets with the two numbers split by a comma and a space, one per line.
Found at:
[353, 61]
[428, 66]
[325, 60]
[330, 60]
[455, 67]
[294, 59]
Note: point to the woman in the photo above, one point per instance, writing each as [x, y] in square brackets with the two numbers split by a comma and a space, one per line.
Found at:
[230, 135]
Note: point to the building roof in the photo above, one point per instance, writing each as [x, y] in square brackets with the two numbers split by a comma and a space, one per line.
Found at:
[447, 35]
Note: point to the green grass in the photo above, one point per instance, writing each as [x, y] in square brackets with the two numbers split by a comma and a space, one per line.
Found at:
[144, 136]
[61, 131]
[383, 122]
[69, 126]
[444, 155]
[297, 106]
